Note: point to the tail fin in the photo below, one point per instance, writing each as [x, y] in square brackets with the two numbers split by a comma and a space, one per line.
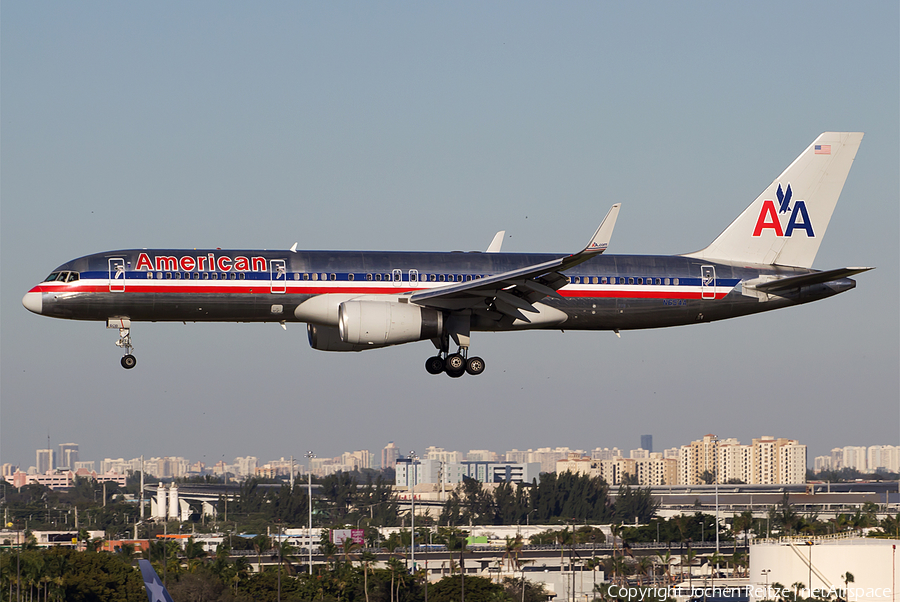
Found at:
[156, 591]
[786, 223]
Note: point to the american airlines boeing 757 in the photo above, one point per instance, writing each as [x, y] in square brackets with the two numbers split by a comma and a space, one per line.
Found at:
[360, 300]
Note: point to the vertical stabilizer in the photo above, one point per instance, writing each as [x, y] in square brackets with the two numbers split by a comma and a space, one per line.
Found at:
[786, 223]
[156, 591]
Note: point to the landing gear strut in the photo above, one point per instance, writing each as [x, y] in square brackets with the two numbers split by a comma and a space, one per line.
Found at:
[124, 326]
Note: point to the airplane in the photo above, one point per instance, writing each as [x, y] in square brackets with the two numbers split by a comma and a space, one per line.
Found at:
[156, 591]
[361, 300]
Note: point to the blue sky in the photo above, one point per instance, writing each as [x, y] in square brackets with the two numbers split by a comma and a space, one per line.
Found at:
[430, 127]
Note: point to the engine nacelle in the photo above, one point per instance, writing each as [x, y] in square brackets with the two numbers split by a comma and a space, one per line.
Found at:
[382, 323]
[328, 338]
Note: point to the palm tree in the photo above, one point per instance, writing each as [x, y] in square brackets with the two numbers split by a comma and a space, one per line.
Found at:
[642, 566]
[847, 578]
[261, 543]
[797, 586]
[512, 548]
[366, 559]
[666, 559]
[194, 554]
[592, 564]
[397, 568]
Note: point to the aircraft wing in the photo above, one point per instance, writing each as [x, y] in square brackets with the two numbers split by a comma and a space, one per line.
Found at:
[513, 292]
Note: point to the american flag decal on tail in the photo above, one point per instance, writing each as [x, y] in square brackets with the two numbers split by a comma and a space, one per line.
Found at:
[823, 149]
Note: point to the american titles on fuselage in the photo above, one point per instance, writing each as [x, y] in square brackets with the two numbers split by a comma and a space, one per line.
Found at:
[202, 263]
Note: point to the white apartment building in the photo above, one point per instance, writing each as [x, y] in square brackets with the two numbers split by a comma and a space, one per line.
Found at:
[481, 455]
[792, 463]
[735, 462]
[442, 455]
[656, 471]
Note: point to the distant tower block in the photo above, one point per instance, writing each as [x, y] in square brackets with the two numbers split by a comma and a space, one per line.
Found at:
[161, 496]
[647, 442]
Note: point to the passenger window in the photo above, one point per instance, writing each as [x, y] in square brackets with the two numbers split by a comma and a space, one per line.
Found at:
[659, 281]
[149, 275]
[667, 281]
[631, 281]
[206, 275]
[214, 275]
[296, 275]
[196, 275]
[675, 281]
[306, 276]
[333, 277]
[368, 276]
[176, 275]
[378, 277]
[324, 276]
[441, 278]
[168, 275]
[159, 275]
[350, 276]
[315, 276]
[468, 278]
[242, 275]
[434, 277]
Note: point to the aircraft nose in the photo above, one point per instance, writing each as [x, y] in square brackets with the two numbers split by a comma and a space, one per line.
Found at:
[32, 302]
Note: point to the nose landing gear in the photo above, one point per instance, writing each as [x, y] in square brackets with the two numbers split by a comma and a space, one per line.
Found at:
[124, 326]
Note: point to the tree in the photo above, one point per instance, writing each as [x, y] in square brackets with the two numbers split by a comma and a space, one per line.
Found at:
[847, 578]
[366, 559]
[477, 589]
[261, 543]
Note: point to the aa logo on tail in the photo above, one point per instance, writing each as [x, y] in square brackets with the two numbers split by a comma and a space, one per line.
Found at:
[769, 216]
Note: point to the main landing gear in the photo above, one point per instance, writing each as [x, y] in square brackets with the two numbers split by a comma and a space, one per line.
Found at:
[124, 326]
[454, 364]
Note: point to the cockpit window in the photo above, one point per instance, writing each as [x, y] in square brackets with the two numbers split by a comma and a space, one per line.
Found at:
[73, 276]
[52, 277]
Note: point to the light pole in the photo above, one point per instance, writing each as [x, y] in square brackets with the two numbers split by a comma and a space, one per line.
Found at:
[309, 457]
[412, 514]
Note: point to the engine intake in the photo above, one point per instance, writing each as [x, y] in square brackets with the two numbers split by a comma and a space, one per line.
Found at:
[381, 323]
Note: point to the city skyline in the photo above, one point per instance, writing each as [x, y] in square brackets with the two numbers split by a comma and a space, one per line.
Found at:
[857, 457]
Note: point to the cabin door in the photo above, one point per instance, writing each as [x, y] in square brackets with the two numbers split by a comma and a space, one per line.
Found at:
[117, 275]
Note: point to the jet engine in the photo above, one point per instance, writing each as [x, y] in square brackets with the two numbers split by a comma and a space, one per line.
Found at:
[327, 338]
[381, 323]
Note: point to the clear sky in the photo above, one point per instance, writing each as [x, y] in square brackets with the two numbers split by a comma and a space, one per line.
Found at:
[430, 126]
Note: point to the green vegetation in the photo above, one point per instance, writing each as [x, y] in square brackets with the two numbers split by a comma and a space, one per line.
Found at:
[556, 499]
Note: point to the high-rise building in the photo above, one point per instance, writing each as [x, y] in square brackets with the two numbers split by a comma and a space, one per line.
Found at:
[697, 461]
[647, 442]
[389, 455]
[44, 460]
[68, 456]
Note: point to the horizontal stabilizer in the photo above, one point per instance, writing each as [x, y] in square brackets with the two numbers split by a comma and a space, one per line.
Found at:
[792, 282]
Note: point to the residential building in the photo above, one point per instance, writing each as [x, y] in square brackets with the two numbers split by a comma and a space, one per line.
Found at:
[68, 456]
[45, 461]
[389, 455]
